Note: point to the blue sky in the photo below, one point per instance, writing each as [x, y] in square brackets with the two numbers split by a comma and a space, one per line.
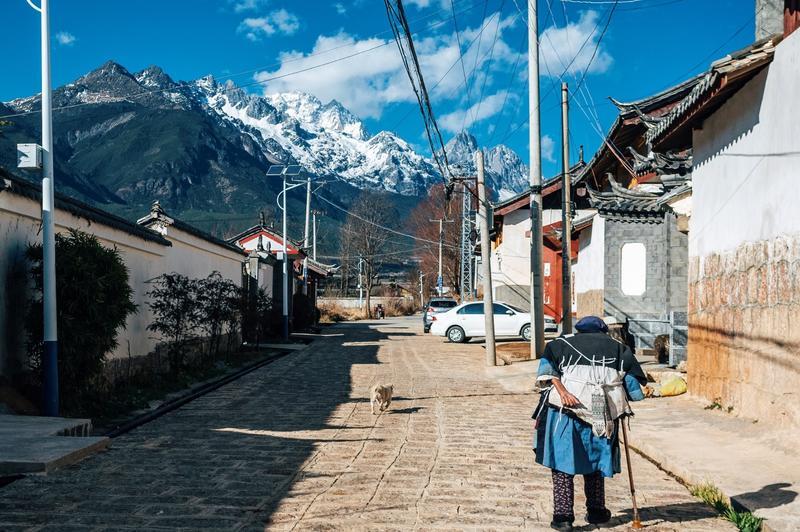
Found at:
[649, 45]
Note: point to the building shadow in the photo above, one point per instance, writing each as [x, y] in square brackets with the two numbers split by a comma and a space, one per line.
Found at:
[235, 453]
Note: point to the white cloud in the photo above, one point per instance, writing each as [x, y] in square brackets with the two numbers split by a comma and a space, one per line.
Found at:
[560, 45]
[278, 21]
[340, 8]
[247, 5]
[548, 147]
[65, 38]
[479, 111]
[367, 83]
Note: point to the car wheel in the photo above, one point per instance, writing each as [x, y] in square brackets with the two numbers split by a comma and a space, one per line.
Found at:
[456, 335]
[526, 333]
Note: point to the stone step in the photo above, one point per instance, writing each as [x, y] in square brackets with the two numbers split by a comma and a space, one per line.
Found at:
[33, 444]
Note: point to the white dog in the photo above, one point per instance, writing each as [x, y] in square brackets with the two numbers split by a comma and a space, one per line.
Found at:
[381, 395]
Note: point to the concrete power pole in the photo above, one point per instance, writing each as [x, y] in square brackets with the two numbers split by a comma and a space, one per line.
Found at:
[439, 279]
[305, 235]
[566, 218]
[537, 291]
[486, 267]
[314, 231]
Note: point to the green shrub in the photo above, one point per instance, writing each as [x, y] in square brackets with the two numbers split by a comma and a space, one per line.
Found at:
[173, 302]
[94, 301]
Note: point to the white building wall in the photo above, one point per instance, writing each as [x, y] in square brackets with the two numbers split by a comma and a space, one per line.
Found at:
[145, 259]
[747, 161]
[590, 266]
[744, 247]
[511, 259]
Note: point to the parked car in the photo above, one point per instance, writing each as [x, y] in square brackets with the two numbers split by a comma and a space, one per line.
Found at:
[435, 306]
[467, 320]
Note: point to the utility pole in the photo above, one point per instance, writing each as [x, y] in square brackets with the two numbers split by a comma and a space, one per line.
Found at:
[439, 280]
[421, 292]
[537, 291]
[566, 218]
[486, 267]
[285, 171]
[360, 285]
[305, 235]
[285, 266]
[314, 227]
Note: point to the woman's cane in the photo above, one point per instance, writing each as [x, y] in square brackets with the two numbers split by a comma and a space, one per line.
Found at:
[637, 523]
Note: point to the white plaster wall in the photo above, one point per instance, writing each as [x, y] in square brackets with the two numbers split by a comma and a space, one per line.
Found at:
[746, 178]
[188, 255]
[590, 266]
[511, 259]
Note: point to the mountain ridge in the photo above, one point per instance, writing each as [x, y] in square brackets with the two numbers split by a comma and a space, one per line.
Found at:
[124, 139]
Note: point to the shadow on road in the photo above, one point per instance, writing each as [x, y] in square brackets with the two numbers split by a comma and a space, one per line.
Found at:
[224, 460]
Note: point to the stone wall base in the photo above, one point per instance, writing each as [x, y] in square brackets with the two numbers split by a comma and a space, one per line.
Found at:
[744, 330]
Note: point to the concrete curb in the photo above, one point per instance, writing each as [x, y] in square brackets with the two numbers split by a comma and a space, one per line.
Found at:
[686, 476]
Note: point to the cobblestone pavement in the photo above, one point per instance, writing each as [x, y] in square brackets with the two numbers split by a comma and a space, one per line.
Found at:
[294, 446]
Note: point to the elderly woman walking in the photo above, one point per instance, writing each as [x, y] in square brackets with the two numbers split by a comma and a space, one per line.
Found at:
[586, 380]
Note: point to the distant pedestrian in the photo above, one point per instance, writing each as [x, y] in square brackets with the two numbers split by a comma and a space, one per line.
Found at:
[587, 380]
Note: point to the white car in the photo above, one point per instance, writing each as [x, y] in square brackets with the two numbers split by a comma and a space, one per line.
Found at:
[467, 320]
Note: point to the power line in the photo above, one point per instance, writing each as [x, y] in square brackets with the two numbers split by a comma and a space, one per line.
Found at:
[389, 229]
[452, 66]
[491, 55]
[461, 53]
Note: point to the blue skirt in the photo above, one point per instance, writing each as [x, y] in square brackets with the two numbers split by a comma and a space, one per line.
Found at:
[567, 444]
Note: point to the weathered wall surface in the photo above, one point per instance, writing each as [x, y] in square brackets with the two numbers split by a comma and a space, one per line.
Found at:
[744, 338]
[744, 344]
[145, 259]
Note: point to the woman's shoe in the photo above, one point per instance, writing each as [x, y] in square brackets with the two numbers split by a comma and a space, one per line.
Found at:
[598, 516]
[562, 522]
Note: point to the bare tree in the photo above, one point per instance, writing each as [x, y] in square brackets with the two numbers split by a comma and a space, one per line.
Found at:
[427, 248]
[364, 236]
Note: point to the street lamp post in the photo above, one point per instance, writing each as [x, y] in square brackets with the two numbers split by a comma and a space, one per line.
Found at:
[285, 171]
[50, 338]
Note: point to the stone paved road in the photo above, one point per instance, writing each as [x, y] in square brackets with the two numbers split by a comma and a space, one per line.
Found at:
[293, 446]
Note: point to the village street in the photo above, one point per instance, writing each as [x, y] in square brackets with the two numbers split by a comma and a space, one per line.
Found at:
[294, 446]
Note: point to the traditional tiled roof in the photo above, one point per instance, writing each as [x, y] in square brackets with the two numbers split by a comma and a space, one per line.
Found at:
[16, 185]
[263, 227]
[724, 78]
[549, 186]
[622, 203]
[158, 217]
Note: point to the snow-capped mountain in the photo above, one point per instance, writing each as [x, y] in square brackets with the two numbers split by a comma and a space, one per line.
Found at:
[125, 139]
[505, 172]
[327, 139]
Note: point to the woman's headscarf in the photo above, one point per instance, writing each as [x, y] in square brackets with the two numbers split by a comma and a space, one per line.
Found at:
[591, 324]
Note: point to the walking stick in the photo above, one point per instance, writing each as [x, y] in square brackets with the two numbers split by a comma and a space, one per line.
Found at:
[637, 523]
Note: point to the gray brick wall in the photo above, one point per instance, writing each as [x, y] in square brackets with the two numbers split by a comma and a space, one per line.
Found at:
[666, 285]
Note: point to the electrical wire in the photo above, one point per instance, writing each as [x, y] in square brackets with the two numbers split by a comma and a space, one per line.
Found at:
[461, 53]
[389, 229]
[491, 55]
